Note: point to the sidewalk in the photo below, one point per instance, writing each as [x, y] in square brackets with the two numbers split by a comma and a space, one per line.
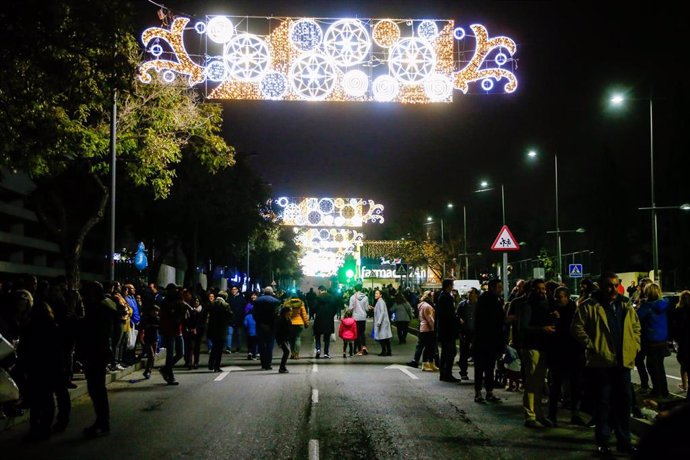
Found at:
[81, 389]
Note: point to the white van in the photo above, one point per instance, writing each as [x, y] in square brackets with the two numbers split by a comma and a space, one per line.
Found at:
[463, 286]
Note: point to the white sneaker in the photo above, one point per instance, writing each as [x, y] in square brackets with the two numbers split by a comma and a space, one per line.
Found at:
[119, 367]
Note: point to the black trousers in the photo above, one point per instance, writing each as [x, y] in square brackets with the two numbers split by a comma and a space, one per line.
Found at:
[465, 352]
[402, 327]
[572, 375]
[361, 335]
[612, 405]
[216, 353]
[655, 365]
[427, 345]
[266, 339]
[286, 354]
[484, 366]
[95, 383]
[448, 352]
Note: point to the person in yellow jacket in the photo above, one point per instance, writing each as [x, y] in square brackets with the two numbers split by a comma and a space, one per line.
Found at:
[608, 327]
[299, 320]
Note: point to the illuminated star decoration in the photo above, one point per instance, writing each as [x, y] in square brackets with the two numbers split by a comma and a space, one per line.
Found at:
[407, 61]
[325, 229]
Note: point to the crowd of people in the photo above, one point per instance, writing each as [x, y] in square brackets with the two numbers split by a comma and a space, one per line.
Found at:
[577, 353]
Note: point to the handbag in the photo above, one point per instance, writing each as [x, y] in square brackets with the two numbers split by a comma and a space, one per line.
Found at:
[8, 388]
[132, 338]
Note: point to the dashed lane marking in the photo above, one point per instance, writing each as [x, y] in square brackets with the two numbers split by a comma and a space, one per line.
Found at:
[313, 449]
[314, 396]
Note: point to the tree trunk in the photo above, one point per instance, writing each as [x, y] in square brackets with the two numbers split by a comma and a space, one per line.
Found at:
[69, 225]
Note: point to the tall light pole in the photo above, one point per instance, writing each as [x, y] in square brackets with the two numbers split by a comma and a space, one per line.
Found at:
[559, 252]
[504, 270]
[618, 100]
[464, 226]
[430, 220]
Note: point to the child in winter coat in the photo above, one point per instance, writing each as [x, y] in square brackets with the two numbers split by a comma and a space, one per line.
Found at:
[348, 332]
[250, 327]
[283, 329]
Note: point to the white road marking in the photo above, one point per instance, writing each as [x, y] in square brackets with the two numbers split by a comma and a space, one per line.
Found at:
[673, 377]
[404, 370]
[315, 396]
[313, 449]
[226, 371]
[315, 368]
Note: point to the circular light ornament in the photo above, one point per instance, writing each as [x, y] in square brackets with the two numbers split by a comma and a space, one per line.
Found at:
[314, 217]
[216, 71]
[313, 77]
[220, 29]
[156, 50]
[385, 33]
[247, 57]
[412, 60]
[487, 84]
[347, 42]
[438, 87]
[326, 205]
[385, 88]
[200, 27]
[501, 59]
[339, 221]
[274, 85]
[324, 234]
[306, 35]
[282, 201]
[328, 219]
[168, 76]
[355, 83]
[459, 33]
[427, 30]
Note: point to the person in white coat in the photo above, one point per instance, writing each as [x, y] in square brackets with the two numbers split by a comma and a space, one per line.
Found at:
[382, 324]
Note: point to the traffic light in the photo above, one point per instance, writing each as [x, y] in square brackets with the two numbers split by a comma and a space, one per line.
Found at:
[346, 273]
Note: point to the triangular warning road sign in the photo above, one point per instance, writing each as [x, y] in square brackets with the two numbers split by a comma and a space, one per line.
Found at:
[505, 241]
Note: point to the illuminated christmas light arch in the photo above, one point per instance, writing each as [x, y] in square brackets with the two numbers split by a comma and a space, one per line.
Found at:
[325, 229]
[383, 60]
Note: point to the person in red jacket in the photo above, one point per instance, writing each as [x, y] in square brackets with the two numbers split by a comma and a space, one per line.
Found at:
[348, 332]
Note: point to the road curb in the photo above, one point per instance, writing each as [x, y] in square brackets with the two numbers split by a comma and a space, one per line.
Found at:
[82, 390]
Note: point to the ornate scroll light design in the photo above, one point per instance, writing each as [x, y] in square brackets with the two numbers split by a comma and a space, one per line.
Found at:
[408, 61]
[184, 64]
[472, 72]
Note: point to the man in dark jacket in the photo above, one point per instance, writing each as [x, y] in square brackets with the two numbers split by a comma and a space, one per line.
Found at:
[536, 326]
[265, 310]
[324, 309]
[94, 345]
[466, 313]
[237, 303]
[219, 317]
[489, 341]
[447, 331]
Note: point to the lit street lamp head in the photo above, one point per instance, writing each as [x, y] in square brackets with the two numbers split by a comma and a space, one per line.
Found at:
[617, 99]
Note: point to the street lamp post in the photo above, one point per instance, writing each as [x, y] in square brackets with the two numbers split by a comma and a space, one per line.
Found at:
[430, 220]
[504, 270]
[618, 100]
[559, 253]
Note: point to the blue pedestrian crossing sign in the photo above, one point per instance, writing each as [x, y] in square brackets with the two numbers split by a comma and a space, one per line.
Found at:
[575, 270]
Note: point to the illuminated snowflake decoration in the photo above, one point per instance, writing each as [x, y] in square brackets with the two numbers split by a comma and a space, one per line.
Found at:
[356, 83]
[247, 57]
[347, 42]
[385, 88]
[274, 85]
[219, 29]
[216, 70]
[313, 77]
[412, 60]
[306, 35]
[427, 30]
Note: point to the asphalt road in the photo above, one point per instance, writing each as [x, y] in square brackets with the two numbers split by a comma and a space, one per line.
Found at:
[366, 407]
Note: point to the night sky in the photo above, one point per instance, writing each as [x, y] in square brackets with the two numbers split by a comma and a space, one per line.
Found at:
[415, 159]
